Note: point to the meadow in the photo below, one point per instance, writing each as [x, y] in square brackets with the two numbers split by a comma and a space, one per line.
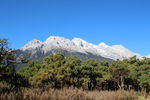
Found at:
[68, 94]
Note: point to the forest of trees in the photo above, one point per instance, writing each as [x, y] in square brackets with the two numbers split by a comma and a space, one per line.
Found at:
[57, 71]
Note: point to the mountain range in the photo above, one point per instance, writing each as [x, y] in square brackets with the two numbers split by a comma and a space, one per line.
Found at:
[37, 49]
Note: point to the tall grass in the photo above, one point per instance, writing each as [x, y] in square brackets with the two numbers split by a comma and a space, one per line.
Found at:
[67, 94]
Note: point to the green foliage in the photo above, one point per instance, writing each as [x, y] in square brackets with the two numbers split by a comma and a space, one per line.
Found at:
[119, 71]
[57, 71]
[90, 74]
[31, 69]
[144, 77]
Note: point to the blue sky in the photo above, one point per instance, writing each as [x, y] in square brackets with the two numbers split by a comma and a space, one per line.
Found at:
[125, 22]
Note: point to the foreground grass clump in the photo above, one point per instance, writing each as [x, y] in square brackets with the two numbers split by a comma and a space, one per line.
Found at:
[67, 94]
[142, 98]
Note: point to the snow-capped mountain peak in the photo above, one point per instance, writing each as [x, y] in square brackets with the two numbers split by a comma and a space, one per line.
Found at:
[118, 46]
[35, 41]
[102, 44]
[54, 38]
[79, 42]
[81, 46]
[32, 44]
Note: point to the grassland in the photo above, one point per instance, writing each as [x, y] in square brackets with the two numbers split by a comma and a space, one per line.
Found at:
[142, 98]
[68, 94]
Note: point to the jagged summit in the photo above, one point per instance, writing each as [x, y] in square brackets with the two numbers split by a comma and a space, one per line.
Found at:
[81, 43]
[35, 41]
[102, 44]
[54, 38]
[80, 46]
[78, 40]
[32, 44]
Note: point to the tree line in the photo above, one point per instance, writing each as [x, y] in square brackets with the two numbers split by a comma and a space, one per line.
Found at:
[58, 71]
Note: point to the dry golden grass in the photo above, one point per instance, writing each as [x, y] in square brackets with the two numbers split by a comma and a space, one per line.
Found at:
[68, 94]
